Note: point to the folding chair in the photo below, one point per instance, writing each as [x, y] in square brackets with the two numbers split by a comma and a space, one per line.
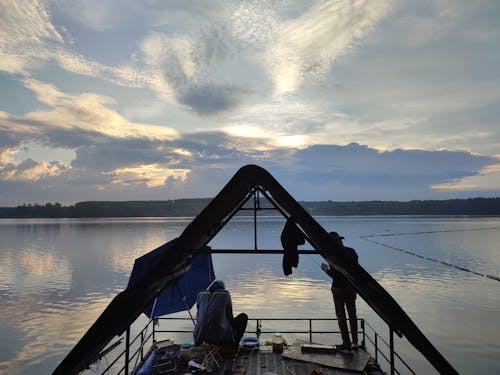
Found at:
[218, 355]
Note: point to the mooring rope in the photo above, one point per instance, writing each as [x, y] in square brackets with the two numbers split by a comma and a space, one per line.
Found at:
[368, 238]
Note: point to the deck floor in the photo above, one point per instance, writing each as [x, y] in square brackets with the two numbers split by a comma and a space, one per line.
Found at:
[266, 363]
[263, 361]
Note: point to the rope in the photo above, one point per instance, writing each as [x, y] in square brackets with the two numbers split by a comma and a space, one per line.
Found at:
[368, 239]
[427, 232]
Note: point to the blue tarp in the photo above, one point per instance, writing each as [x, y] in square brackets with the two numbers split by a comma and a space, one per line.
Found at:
[147, 366]
[181, 293]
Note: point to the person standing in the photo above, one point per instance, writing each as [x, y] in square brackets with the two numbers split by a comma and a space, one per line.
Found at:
[344, 297]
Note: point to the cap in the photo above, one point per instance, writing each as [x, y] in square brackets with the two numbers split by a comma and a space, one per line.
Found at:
[336, 236]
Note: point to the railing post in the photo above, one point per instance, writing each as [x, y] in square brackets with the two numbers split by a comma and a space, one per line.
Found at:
[376, 347]
[363, 340]
[127, 349]
[310, 331]
[257, 330]
[255, 219]
[391, 344]
[155, 321]
[142, 345]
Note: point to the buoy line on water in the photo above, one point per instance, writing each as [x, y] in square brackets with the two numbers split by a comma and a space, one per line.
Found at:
[368, 238]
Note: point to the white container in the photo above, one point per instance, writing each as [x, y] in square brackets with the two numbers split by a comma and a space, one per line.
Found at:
[278, 343]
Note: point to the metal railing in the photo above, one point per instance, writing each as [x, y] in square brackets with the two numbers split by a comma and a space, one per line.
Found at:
[135, 351]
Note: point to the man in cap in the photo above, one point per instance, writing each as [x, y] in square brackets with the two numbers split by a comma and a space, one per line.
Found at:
[344, 296]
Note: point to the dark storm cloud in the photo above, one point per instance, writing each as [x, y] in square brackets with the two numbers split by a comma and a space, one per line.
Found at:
[202, 149]
[344, 171]
[356, 162]
[206, 100]
[115, 153]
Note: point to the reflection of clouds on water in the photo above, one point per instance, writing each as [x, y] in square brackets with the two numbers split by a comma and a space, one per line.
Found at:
[56, 280]
[267, 293]
[48, 329]
[32, 269]
[452, 308]
[126, 248]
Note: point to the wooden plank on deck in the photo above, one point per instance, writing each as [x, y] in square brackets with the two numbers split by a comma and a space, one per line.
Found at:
[355, 362]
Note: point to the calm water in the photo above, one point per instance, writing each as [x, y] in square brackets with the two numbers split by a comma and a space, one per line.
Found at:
[57, 275]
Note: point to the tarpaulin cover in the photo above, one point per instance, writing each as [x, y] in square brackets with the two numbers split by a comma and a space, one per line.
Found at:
[181, 293]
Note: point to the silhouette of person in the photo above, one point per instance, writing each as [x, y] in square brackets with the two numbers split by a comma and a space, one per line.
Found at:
[215, 323]
[344, 297]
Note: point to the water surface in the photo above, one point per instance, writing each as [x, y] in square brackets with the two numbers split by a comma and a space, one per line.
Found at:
[57, 276]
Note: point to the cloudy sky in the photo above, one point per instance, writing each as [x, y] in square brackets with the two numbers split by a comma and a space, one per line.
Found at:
[341, 100]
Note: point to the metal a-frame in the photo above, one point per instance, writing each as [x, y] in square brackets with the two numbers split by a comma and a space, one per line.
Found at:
[249, 180]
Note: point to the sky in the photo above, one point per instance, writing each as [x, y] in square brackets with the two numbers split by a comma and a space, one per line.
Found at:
[339, 100]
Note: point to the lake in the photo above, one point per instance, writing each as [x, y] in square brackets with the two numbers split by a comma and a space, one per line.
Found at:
[57, 276]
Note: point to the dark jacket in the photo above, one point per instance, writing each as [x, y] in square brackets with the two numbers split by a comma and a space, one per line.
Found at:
[338, 279]
[213, 319]
[291, 237]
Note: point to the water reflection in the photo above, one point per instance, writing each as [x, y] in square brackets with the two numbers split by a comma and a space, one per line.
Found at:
[58, 275]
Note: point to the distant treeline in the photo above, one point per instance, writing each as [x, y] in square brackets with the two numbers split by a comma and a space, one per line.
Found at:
[192, 207]
[175, 208]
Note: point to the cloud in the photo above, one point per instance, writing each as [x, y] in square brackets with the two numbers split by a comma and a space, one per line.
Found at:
[200, 164]
[199, 68]
[304, 45]
[183, 65]
[24, 27]
[95, 14]
[30, 170]
[72, 120]
[117, 158]
[210, 99]
[29, 41]
[335, 98]
[487, 179]
[151, 175]
[83, 123]
[202, 69]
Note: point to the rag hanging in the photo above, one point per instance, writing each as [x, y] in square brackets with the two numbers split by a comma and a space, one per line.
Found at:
[291, 237]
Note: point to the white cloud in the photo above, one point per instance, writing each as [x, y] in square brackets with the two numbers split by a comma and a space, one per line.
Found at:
[304, 47]
[201, 70]
[85, 113]
[70, 122]
[25, 27]
[29, 40]
[6, 155]
[261, 82]
[150, 175]
[487, 179]
[30, 170]
[95, 14]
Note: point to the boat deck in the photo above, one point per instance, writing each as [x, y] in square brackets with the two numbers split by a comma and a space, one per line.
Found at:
[263, 361]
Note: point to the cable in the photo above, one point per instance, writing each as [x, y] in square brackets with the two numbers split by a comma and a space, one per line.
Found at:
[426, 232]
[368, 239]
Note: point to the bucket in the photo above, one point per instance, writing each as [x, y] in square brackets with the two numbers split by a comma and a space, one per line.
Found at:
[278, 343]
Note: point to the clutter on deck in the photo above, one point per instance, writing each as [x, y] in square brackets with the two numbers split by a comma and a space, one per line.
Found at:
[301, 357]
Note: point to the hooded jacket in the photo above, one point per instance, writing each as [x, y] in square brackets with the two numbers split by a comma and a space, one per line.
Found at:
[213, 319]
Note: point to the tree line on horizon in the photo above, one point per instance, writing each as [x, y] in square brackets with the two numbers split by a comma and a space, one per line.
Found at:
[192, 207]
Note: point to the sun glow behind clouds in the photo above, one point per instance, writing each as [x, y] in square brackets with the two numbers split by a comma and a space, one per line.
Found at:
[295, 141]
[290, 76]
[271, 139]
[152, 175]
[249, 131]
